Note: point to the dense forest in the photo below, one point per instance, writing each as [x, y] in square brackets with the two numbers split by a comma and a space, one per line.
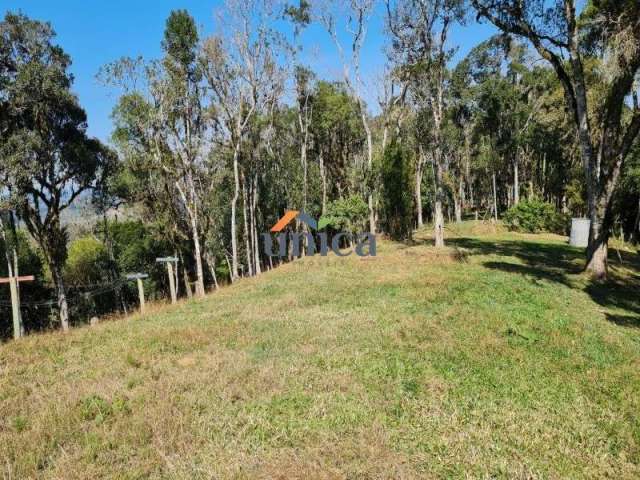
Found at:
[216, 139]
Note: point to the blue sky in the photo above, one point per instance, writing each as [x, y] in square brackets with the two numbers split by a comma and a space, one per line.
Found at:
[95, 33]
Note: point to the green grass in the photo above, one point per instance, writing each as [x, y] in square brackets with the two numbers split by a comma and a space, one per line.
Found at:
[493, 358]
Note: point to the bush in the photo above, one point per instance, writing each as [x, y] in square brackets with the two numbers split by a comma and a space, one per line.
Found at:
[87, 262]
[348, 214]
[533, 216]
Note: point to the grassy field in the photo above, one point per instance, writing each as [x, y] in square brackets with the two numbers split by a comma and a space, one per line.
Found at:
[494, 358]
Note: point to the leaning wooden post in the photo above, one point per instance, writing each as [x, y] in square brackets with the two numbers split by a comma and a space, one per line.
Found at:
[172, 280]
[18, 328]
[139, 277]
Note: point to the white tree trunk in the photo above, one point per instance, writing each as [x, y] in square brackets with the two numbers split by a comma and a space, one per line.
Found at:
[197, 253]
[254, 226]
[516, 180]
[61, 293]
[418, 185]
[438, 224]
[323, 177]
[234, 206]
[245, 231]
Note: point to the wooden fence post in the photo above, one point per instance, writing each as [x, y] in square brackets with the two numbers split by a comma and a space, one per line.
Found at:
[139, 277]
[18, 327]
[170, 261]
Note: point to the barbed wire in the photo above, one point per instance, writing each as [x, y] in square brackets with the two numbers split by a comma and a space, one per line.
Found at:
[100, 289]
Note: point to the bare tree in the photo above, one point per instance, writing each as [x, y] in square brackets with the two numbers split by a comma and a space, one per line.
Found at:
[358, 15]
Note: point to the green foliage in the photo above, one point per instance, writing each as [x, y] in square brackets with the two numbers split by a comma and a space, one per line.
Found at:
[533, 216]
[95, 408]
[397, 187]
[19, 423]
[48, 160]
[337, 129]
[87, 261]
[347, 214]
[181, 38]
[300, 16]
[29, 261]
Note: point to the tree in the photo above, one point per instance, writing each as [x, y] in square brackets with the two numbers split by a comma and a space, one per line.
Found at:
[183, 126]
[301, 17]
[605, 32]
[47, 159]
[420, 30]
[243, 79]
[397, 198]
[358, 14]
[338, 137]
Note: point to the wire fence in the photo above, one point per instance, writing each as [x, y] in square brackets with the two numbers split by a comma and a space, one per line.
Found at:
[94, 290]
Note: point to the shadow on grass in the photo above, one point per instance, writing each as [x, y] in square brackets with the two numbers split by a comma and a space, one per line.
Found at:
[552, 258]
[629, 321]
[556, 262]
[535, 273]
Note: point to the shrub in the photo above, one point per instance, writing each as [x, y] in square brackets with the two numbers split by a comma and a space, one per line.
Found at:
[533, 216]
[87, 262]
[348, 214]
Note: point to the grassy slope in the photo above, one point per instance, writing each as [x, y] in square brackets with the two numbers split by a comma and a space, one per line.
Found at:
[411, 364]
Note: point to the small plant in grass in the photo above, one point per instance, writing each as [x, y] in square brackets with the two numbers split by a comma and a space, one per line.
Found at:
[95, 408]
[534, 216]
[19, 423]
[133, 361]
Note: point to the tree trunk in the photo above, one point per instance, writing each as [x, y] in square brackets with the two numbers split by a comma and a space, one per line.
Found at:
[597, 253]
[516, 180]
[234, 204]
[323, 177]
[254, 226]
[211, 262]
[495, 197]
[303, 159]
[367, 129]
[418, 195]
[458, 201]
[11, 255]
[418, 186]
[544, 175]
[245, 232]
[597, 248]
[61, 293]
[185, 277]
[226, 257]
[198, 258]
[176, 274]
[438, 224]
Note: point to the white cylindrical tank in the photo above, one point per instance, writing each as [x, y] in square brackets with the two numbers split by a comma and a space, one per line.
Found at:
[579, 232]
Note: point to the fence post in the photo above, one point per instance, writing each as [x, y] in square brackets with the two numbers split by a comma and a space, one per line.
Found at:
[18, 328]
[172, 280]
[139, 277]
